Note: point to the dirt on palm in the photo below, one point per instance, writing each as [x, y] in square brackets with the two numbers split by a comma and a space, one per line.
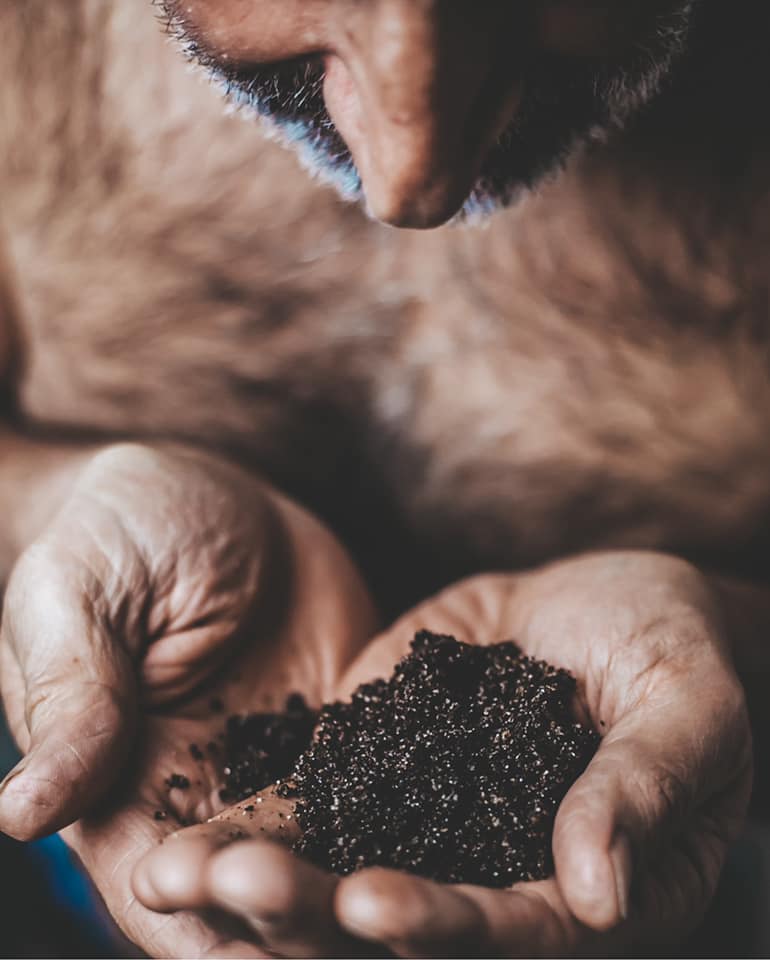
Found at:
[453, 768]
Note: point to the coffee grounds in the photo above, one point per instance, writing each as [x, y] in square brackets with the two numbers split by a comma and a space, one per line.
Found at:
[452, 769]
[262, 748]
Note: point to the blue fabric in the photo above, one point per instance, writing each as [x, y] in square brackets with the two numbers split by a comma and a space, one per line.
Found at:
[48, 907]
[65, 882]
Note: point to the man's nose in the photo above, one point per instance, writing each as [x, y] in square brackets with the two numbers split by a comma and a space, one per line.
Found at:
[420, 89]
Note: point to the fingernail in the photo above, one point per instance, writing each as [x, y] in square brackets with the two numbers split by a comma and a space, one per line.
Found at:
[622, 867]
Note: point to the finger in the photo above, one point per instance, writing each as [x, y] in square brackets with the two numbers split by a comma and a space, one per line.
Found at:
[651, 772]
[469, 611]
[110, 849]
[172, 876]
[415, 917]
[75, 718]
[409, 915]
[288, 902]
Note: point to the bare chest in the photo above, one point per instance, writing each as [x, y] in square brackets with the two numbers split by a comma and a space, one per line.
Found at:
[591, 370]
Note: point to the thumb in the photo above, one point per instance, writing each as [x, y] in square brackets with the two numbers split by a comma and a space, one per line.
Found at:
[69, 693]
[651, 774]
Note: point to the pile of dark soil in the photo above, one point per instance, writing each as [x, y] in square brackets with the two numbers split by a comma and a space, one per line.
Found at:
[263, 748]
[453, 768]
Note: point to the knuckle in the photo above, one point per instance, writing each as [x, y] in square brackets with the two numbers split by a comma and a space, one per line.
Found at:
[663, 799]
[670, 793]
[125, 455]
[42, 582]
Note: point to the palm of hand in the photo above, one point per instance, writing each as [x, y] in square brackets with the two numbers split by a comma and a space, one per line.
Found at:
[673, 774]
[665, 794]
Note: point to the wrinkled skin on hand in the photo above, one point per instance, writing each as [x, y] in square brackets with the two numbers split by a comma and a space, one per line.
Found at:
[639, 841]
[168, 579]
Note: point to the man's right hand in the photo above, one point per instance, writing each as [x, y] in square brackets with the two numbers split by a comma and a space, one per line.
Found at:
[167, 580]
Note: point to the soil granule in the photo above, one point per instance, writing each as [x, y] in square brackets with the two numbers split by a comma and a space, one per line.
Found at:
[178, 781]
[452, 769]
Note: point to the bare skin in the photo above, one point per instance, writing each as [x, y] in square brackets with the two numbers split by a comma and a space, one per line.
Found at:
[585, 374]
